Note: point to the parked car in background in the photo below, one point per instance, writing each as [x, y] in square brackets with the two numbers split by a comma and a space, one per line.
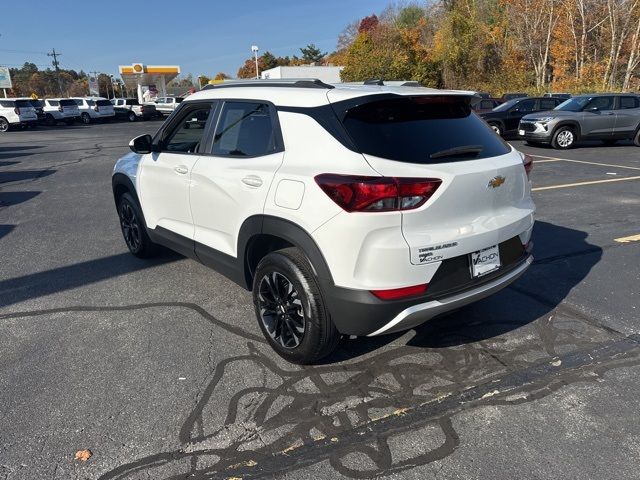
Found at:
[94, 108]
[558, 95]
[504, 119]
[15, 112]
[132, 110]
[486, 105]
[607, 117]
[38, 105]
[60, 110]
[166, 105]
[511, 96]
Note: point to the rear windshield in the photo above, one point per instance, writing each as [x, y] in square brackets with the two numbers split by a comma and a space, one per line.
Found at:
[23, 103]
[131, 101]
[423, 129]
[53, 103]
[103, 103]
[68, 103]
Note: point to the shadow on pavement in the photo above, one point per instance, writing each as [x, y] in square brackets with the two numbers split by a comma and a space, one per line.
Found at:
[19, 289]
[17, 176]
[13, 198]
[5, 229]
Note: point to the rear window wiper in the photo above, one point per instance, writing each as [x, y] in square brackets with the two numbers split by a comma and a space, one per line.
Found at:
[458, 151]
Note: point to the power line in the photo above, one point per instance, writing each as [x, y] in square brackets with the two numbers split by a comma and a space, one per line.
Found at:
[5, 50]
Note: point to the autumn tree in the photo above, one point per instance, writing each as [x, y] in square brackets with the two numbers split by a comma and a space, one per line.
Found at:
[221, 76]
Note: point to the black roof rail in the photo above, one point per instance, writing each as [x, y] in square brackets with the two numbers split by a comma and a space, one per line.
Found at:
[285, 82]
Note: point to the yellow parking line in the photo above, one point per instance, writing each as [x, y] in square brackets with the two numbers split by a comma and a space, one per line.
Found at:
[593, 182]
[632, 238]
[556, 159]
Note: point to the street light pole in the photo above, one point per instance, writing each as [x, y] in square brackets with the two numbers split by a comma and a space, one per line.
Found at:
[254, 49]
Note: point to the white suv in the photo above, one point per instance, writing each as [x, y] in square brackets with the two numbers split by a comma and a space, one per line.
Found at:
[16, 112]
[94, 108]
[60, 110]
[355, 210]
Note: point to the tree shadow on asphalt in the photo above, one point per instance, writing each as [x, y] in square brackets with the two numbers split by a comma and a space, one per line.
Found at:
[19, 289]
[18, 148]
[21, 175]
[563, 258]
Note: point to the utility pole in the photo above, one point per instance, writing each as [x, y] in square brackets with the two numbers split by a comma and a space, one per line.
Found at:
[56, 65]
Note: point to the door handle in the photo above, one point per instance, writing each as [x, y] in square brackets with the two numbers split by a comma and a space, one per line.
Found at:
[252, 181]
[181, 169]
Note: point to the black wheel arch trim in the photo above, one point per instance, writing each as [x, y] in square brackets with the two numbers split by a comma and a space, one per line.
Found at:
[121, 180]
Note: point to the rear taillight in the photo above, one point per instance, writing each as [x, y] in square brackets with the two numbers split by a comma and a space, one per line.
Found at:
[527, 161]
[142, 109]
[17, 110]
[398, 293]
[377, 194]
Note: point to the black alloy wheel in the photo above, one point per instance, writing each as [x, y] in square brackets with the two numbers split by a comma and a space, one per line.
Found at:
[281, 310]
[130, 226]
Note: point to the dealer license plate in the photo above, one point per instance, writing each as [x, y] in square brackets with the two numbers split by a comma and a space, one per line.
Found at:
[485, 261]
[521, 132]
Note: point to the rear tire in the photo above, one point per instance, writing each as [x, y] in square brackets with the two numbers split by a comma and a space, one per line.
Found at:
[131, 117]
[496, 127]
[4, 125]
[290, 309]
[86, 119]
[133, 228]
[564, 138]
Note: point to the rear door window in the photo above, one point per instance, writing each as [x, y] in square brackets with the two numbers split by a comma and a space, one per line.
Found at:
[421, 129]
[68, 103]
[629, 102]
[548, 103]
[245, 129]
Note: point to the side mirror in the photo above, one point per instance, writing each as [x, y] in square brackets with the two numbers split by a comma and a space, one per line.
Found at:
[142, 144]
[593, 109]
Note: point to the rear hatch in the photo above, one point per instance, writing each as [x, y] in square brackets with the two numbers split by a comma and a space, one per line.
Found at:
[104, 108]
[69, 107]
[484, 198]
[25, 110]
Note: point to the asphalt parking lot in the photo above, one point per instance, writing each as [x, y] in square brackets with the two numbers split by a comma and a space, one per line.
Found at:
[159, 368]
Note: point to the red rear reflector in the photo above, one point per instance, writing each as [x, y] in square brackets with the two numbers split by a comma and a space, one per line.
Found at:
[527, 161]
[377, 194]
[16, 111]
[396, 293]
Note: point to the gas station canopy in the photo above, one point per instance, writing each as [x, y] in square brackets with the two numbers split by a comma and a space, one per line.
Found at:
[137, 75]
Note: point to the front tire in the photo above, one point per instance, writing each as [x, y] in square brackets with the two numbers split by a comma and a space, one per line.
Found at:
[290, 309]
[131, 117]
[86, 119]
[564, 138]
[133, 228]
[4, 125]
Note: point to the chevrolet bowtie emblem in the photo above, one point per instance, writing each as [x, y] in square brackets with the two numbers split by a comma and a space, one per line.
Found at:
[495, 182]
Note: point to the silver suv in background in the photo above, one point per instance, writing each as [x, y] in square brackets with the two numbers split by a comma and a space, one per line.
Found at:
[607, 117]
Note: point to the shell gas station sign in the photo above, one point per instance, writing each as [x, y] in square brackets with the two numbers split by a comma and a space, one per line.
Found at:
[138, 75]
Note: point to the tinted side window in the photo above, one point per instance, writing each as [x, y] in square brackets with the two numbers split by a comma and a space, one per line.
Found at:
[601, 103]
[160, 100]
[132, 102]
[187, 135]
[53, 103]
[629, 102]
[526, 105]
[244, 130]
[6, 103]
[548, 104]
[79, 102]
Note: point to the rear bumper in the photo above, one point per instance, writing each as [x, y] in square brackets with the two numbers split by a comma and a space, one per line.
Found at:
[359, 312]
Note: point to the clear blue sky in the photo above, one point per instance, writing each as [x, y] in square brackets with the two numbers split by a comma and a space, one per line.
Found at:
[203, 36]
